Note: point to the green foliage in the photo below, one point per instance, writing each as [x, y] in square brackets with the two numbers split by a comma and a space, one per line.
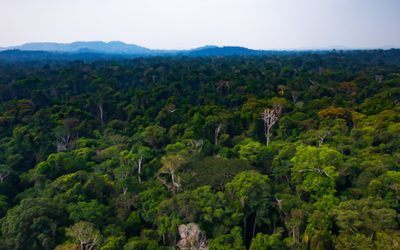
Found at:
[212, 171]
[314, 170]
[119, 154]
[233, 241]
[136, 243]
[262, 241]
[249, 150]
[252, 190]
[387, 187]
[154, 135]
[59, 164]
[3, 204]
[91, 211]
[33, 224]
[85, 234]
[114, 237]
[366, 216]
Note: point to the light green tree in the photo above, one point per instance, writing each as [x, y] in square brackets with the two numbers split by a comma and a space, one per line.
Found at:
[253, 191]
[85, 234]
[314, 170]
[266, 242]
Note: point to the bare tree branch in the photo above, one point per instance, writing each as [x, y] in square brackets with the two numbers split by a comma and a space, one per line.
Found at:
[270, 117]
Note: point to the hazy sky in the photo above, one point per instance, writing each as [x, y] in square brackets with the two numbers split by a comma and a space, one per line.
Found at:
[179, 24]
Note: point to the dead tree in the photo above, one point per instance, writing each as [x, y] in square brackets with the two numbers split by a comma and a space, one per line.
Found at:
[321, 140]
[63, 142]
[139, 164]
[217, 133]
[222, 85]
[167, 175]
[313, 83]
[270, 117]
[378, 78]
[3, 176]
[130, 161]
[171, 108]
[192, 238]
[101, 112]
[322, 136]
[195, 146]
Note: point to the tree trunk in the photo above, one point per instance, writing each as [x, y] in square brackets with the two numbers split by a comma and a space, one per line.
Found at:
[174, 184]
[100, 105]
[268, 136]
[294, 237]
[173, 178]
[254, 226]
[216, 134]
[140, 168]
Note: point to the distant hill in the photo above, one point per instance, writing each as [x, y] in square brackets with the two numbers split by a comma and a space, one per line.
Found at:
[97, 46]
[225, 51]
[27, 56]
[117, 50]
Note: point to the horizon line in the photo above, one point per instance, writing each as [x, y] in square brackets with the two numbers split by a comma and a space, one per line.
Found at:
[302, 48]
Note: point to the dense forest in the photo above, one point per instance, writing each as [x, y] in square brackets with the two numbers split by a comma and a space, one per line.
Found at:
[294, 151]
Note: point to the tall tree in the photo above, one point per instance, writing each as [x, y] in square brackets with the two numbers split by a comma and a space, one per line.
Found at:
[270, 117]
[253, 192]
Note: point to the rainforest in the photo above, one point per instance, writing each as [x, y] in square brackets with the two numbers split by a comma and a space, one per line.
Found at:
[296, 150]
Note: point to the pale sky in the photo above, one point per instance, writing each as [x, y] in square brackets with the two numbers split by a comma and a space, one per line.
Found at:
[183, 24]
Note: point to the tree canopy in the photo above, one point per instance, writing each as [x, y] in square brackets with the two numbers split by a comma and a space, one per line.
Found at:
[299, 150]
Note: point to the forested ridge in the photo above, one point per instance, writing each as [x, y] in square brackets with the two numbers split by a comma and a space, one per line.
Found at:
[296, 151]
